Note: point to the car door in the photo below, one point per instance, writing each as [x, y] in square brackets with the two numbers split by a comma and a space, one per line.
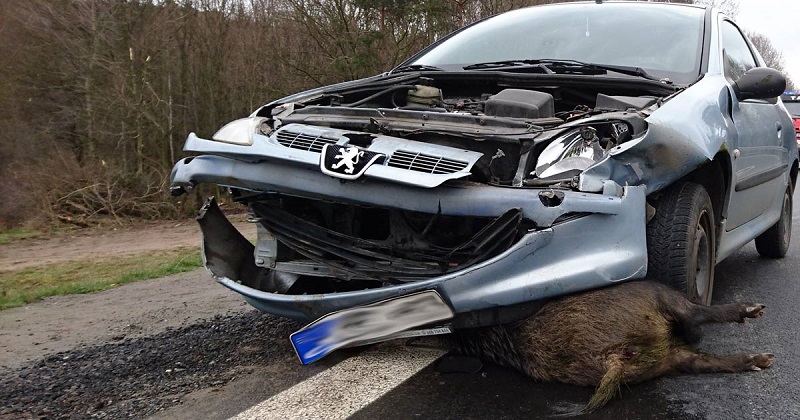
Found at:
[758, 152]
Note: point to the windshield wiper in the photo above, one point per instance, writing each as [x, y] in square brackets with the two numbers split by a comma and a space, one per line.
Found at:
[415, 67]
[505, 63]
[565, 66]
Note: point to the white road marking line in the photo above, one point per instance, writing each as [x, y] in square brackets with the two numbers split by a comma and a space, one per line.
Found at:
[347, 387]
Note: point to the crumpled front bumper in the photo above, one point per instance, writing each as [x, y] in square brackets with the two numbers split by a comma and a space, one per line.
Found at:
[606, 244]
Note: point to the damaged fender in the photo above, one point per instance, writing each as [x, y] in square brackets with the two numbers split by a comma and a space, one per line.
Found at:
[671, 147]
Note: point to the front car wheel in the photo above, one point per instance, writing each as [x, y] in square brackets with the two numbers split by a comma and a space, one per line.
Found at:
[681, 245]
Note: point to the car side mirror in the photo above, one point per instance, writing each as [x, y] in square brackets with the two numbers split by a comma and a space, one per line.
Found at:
[760, 83]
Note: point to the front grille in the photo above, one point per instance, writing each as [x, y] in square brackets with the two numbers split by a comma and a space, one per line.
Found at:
[381, 259]
[303, 141]
[425, 163]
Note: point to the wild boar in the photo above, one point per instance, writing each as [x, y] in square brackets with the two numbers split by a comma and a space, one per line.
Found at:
[622, 334]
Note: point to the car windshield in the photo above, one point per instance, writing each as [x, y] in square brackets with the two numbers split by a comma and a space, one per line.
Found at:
[793, 108]
[665, 40]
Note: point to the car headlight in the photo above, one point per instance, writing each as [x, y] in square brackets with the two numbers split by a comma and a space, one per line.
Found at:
[241, 131]
[578, 149]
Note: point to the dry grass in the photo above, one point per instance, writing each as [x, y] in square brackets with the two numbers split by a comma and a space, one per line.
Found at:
[11, 235]
[20, 287]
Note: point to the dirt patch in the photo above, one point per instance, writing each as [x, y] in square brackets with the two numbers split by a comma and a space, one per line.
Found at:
[94, 243]
[140, 309]
[145, 308]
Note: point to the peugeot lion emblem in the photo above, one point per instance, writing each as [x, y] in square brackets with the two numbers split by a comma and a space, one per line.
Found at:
[349, 157]
[347, 162]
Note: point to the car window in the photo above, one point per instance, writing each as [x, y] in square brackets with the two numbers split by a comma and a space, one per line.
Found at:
[738, 57]
[665, 40]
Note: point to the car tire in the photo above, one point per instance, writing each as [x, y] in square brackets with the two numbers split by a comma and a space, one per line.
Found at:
[681, 241]
[775, 241]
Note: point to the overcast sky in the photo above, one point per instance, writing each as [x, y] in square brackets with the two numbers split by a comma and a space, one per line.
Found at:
[779, 20]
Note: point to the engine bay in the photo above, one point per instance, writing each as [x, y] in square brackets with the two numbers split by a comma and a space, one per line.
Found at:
[529, 134]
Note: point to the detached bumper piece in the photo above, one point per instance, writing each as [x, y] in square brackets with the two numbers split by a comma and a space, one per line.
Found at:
[361, 258]
[226, 253]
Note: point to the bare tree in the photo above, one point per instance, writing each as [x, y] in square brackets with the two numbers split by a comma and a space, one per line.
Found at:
[97, 95]
[729, 7]
[771, 55]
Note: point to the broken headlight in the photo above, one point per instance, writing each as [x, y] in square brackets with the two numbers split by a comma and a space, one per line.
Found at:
[241, 131]
[579, 148]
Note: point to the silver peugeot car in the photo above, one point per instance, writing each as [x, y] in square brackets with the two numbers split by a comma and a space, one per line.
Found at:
[536, 153]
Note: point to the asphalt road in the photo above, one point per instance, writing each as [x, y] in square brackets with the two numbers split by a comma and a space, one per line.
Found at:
[773, 393]
[500, 393]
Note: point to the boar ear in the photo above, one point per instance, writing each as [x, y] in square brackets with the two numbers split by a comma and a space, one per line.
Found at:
[609, 384]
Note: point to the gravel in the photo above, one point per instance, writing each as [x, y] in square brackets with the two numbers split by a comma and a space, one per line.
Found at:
[139, 377]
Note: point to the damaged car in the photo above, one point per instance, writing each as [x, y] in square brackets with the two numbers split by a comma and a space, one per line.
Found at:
[536, 153]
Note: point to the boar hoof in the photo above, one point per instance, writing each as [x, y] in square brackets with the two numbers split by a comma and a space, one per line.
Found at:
[760, 361]
[753, 310]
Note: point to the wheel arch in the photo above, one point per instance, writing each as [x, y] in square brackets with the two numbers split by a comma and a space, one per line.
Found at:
[715, 176]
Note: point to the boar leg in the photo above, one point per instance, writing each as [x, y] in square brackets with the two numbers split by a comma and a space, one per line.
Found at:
[733, 312]
[687, 312]
[688, 361]
[688, 316]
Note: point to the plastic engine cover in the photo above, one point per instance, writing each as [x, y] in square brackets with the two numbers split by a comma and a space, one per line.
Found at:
[520, 103]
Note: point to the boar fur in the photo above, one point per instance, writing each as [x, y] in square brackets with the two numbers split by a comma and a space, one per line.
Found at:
[621, 334]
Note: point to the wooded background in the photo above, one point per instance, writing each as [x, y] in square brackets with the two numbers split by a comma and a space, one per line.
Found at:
[97, 96]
